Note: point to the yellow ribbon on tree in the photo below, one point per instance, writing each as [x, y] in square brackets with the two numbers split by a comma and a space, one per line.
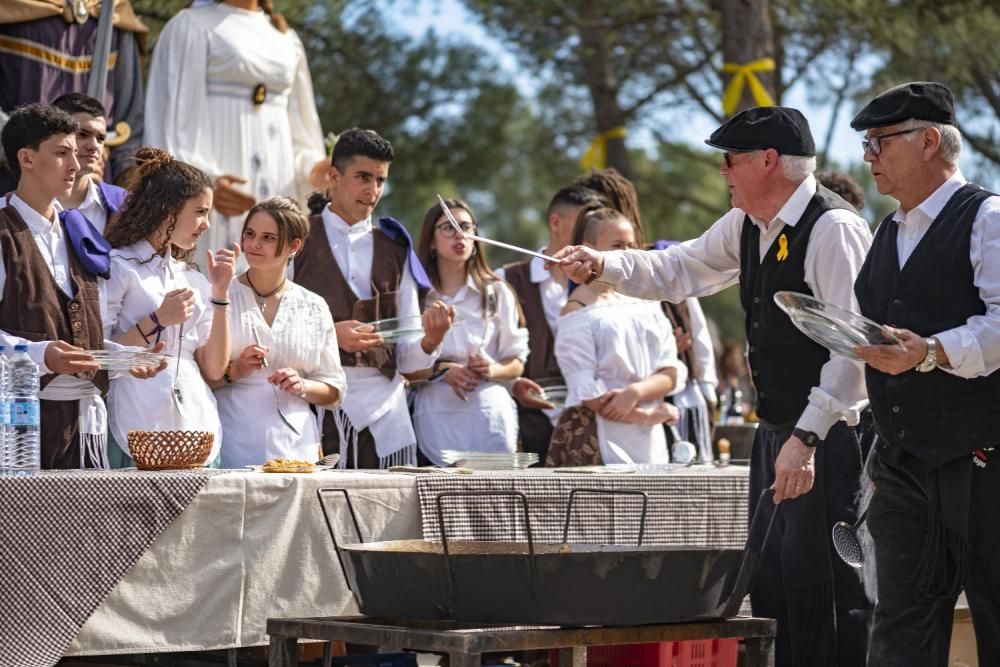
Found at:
[597, 154]
[782, 248]
[733, 93]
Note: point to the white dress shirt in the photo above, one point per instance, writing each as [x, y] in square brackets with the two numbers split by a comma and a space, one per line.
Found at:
[140, 279]
[258, 418]
[609, 345]
[710, 263]
[553, 293]
[93, 209]
[973, 349]
[373, 401]
[444, 421]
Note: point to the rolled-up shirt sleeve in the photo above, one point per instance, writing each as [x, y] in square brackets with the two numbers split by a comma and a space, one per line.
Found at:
[973, 349]
[576, 352]
[410, 355]
[841, 393]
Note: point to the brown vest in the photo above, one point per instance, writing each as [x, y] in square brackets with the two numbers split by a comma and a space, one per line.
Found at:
[541, 344]
[35, 308]
[317, 270]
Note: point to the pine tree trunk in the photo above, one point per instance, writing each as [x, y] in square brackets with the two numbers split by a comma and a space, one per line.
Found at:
[746, 36]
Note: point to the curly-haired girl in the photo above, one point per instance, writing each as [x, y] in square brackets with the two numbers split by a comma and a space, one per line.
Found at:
[155, 293]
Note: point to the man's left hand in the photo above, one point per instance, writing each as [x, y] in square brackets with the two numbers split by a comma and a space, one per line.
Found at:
[794, 470]
[895, 358]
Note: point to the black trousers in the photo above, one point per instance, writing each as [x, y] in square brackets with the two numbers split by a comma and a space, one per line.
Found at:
[913, 627]
[820, 603]
[534, 432]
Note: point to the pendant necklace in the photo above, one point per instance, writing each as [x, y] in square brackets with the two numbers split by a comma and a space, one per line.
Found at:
[262, 298]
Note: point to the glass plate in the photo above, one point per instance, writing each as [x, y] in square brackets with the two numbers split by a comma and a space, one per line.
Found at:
[397, 328]
[490, 460]
[555, 394]
[831, 326]
[123, 360]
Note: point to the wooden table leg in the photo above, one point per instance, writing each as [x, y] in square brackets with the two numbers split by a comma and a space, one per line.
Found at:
[574, 656]
[760, 651]
[465, 659]
[283, 652]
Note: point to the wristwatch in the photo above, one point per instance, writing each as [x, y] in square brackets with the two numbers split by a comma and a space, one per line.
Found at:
[808, 438]
[930, 362]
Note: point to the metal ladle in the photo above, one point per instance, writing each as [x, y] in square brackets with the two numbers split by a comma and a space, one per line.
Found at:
[846, 541]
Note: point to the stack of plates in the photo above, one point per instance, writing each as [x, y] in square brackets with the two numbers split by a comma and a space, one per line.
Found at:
[489, 460]
[555, 394]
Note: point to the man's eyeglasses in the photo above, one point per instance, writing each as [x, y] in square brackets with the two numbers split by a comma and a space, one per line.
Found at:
[728, 157]
[448, 230]
[873, 144]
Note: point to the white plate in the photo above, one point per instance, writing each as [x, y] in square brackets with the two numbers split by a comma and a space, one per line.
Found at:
[831, 326]
[490, 460]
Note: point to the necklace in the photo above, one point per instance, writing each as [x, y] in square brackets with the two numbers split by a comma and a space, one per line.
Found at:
[262, 298]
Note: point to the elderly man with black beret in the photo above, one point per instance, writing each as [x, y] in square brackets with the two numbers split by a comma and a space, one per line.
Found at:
[784, 232]
[933, 275]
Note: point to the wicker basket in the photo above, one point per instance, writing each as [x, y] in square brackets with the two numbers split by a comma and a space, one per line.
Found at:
[169, 450]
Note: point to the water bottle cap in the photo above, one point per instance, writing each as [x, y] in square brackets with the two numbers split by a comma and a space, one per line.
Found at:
[21, 347]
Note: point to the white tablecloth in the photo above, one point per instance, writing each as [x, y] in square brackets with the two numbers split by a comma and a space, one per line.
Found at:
[250, 546]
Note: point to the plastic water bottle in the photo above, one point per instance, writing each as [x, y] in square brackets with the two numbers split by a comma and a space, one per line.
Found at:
[24, 445]
[4, 404]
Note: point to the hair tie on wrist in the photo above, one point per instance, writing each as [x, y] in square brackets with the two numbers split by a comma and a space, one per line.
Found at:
[221, 303]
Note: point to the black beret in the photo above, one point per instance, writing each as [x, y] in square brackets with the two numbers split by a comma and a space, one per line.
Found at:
[919, 100]
[784, 129]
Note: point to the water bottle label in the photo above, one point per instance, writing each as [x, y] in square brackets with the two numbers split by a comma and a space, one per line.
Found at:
[25, 414]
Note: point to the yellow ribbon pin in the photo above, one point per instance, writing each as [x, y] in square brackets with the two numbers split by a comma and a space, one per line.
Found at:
[782, 248]
[597, 154]
[733, 93]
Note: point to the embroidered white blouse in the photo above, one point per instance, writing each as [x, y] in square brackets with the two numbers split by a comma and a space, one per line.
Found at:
[487, 421]
[260, 421]
[610, 345]
[139, 280]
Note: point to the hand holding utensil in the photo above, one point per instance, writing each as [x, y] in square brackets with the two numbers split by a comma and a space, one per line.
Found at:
[256, 337]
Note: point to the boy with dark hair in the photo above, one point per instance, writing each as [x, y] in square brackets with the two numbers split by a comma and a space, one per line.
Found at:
[542, 293]
[368, 273]
[91, 195]
[47, 298]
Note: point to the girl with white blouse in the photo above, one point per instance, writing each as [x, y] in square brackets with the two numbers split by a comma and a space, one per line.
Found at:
[155, 294]
[464, 406]
[619, 359]
[285, 352]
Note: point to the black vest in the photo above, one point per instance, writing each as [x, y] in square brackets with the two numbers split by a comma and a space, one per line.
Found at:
[785, 364]
[935, 416]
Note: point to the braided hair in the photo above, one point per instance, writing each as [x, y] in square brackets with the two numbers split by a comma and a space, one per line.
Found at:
[618, 192]
[160, 187]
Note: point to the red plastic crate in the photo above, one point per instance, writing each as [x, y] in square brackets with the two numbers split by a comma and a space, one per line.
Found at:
[704, 653]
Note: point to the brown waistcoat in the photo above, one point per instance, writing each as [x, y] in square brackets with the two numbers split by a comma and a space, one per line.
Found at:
[541, 344]
[317, 270]
[35, 308]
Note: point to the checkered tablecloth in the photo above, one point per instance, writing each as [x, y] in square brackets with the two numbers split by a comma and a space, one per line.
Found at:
[66, 538]
[697, 506]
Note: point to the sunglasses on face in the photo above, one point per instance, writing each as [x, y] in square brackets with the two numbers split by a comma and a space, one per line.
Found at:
[728, 157]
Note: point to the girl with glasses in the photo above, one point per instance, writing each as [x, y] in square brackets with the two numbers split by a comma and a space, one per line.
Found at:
[464, 406]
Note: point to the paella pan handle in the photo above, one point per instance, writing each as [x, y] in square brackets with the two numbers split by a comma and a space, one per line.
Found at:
[751, 552]
[473, 494]
[320, 493]
[608, 492]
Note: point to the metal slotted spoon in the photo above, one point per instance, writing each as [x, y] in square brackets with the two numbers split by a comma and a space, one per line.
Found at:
[847, 543]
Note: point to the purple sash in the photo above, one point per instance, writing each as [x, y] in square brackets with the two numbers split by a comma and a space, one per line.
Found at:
[394, 229]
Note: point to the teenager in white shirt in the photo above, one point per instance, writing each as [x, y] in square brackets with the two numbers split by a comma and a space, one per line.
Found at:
[619, 358]
[284, 348]
[156, 293]
[465, 407]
